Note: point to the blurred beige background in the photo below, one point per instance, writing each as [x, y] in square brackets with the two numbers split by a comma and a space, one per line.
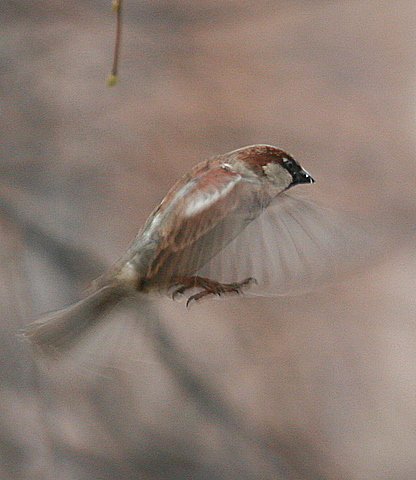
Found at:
[320, 386]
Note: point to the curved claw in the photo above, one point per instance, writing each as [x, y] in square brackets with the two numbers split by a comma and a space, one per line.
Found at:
[210, 287]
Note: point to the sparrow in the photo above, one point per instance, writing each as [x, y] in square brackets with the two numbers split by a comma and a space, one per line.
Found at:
[178, 248]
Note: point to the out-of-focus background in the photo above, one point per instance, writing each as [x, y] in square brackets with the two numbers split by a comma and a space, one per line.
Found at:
[319, 386]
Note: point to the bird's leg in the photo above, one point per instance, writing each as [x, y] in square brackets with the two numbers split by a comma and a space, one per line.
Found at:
[207, 286]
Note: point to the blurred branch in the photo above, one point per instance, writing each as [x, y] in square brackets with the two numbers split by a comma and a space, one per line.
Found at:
[22, 210]
[112, 78]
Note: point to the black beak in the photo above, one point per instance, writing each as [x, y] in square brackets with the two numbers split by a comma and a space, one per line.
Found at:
[301, 176]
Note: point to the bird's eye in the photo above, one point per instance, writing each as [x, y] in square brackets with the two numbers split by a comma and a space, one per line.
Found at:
[290, 165]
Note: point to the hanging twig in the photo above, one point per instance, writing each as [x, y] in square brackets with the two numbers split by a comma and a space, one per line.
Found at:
[112, 78]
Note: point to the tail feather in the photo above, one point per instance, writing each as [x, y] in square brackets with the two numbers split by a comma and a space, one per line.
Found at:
[55, 332]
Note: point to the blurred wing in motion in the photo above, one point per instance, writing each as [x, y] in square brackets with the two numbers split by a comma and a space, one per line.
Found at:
[294, 246]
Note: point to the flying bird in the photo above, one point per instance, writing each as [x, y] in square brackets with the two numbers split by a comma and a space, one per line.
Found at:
[225, 227]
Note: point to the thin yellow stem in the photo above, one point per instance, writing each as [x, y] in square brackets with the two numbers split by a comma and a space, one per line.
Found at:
[112, 78]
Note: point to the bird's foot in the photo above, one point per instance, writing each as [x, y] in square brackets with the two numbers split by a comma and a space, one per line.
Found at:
[207, 286]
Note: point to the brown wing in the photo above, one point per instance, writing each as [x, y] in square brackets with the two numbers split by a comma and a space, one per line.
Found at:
[200, 218]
